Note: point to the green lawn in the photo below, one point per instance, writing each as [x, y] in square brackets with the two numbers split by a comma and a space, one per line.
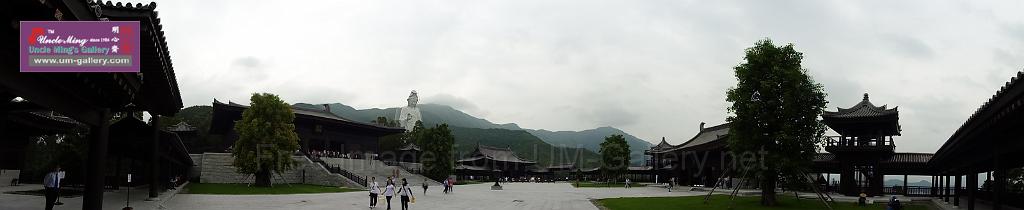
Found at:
[605, 184]
[721, 202]
[241, 189]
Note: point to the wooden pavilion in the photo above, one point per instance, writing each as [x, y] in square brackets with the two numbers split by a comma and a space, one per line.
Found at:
[91, 99]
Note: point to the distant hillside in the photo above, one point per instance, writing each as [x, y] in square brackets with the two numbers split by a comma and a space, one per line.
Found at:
[523, 143]
[591, 140]
[899, 182]
[434, 114]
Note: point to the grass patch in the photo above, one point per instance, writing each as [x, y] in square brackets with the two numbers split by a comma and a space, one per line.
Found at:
[721, 202]
[242, 189]
[606, 184]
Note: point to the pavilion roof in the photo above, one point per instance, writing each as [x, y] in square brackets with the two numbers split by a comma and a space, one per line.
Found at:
[496, 154]
[314, 114]
[663, 145]
[864, 118]
[863, 109]
[706, 138]
[181, 127]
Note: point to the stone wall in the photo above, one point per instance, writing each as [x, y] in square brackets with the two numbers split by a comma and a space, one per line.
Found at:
[7, 175]
[217, 168]
[197, 166]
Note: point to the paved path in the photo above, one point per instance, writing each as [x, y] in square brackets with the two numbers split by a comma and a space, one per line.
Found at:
[112, 199]
[475, 196]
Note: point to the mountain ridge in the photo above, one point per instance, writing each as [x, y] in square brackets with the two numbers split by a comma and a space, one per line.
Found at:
[434, 114]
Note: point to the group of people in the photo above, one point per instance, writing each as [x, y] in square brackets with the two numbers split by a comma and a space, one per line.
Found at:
[448, 183]
[894, 203]
[390, 190]
[332, 154]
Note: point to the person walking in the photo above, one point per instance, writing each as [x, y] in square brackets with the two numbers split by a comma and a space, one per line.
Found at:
[671, 182]
[627, 182]
[389, 191]
[51, 185]
[374, 191]
[451, 184]
[445, 185]
[405, 192]
[424, 186]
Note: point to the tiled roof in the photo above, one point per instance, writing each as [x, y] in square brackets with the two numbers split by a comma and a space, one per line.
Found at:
[986, 112]
[663, 145]
[864, 109]
[410, 146]
[321, 114]
[181, 127]
[165, 76]
[708, 135]
[705, 136]
[496, 154]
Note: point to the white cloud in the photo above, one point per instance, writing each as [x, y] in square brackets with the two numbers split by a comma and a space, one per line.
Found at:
[651, 68]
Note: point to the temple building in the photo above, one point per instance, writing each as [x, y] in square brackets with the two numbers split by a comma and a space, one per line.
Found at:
[491, 161]
[319, 130]
[698, 161]
[864, 151]
[90, 104]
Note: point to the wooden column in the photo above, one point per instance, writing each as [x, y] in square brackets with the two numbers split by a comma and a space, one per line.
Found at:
[154, 160]
[934, 183]
[945, 189]
[905, 188]
[96, 164]
[998, 185]
[972, 188]
[956, 191]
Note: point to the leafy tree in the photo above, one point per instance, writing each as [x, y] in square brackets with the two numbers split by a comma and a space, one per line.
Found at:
[437, 144]
[776, 106]
[614, 156]
[266, 138]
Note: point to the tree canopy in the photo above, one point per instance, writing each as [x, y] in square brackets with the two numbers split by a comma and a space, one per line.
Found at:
[266, 138]
[437, 144]
[776, 105]
[614, 156]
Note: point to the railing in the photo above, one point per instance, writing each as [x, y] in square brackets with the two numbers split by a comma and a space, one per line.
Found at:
[351, 176]
[838, 141]
[338, 170]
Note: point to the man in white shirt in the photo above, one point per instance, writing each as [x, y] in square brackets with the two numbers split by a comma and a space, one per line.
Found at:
[374, 191]
[51, 185]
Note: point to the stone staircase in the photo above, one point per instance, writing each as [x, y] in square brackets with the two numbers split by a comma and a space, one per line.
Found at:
[380, 170]
[217, 168]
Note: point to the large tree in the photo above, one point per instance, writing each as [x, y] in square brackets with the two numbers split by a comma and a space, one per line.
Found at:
[776, 106]
[438, 144]
[614, 156]
[266, 138]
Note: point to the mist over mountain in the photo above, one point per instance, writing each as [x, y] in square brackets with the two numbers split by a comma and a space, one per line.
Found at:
[434, 114]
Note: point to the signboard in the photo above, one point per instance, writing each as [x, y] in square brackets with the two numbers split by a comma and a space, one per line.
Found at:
[80, 46]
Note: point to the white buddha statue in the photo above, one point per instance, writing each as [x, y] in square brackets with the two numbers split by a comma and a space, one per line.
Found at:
[409, 114]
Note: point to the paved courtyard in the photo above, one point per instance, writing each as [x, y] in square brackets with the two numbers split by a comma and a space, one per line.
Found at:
[476, 196]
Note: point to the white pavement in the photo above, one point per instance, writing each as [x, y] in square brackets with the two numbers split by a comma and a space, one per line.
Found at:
[476, 196]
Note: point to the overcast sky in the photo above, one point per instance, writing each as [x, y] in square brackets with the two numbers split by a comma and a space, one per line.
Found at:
[652, 68]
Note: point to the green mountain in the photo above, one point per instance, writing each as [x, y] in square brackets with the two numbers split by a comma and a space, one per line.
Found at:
[591, 140]
[899, 182]
[434, 114]
[524, 144]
